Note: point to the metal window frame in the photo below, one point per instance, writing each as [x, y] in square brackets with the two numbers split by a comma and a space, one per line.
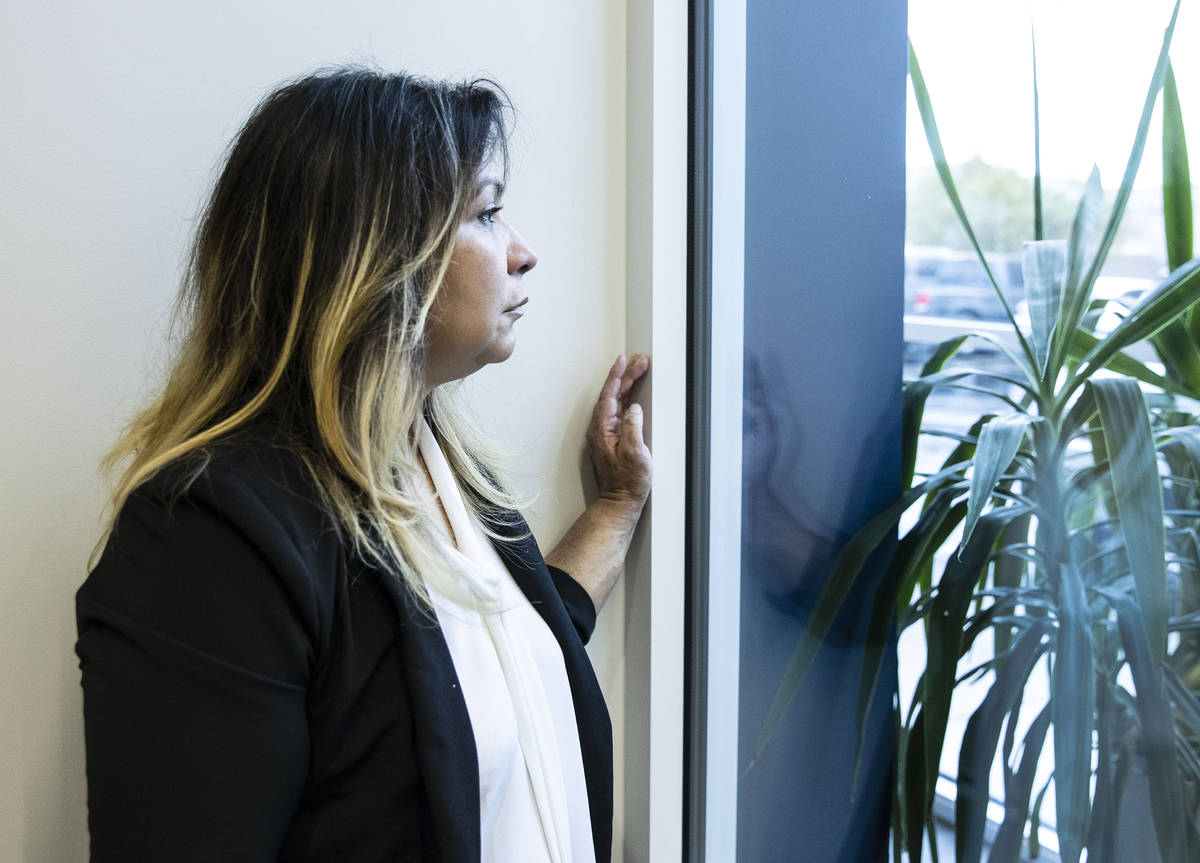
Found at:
[716, 268]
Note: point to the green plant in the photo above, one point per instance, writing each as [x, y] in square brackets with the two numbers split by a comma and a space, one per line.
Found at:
[1073, 514]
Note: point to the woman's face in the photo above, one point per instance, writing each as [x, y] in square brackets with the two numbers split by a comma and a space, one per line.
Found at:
[472, 320]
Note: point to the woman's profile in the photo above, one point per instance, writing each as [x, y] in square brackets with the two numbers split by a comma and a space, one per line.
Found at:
[318, 628]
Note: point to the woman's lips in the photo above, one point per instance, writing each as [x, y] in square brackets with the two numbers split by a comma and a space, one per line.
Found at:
[516, 307]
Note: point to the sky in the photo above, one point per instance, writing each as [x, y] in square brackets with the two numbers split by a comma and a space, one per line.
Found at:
[1095, 61]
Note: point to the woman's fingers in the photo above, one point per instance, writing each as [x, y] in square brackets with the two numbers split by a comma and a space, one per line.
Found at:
[629, 469]
[614, 394]
[619, 451]
[614, 384]
[631, 426]
[636, 367]
[606, 414]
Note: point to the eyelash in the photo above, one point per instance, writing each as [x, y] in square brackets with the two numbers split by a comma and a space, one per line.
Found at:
[488, 216]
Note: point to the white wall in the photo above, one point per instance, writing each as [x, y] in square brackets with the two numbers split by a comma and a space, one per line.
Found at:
[114, 117]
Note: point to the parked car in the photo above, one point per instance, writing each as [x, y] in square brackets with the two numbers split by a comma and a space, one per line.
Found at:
[946, 284]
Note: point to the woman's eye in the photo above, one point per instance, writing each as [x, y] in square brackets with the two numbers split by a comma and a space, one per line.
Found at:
[489, 215]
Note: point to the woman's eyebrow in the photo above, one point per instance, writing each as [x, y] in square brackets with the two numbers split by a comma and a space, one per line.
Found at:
[490, 181]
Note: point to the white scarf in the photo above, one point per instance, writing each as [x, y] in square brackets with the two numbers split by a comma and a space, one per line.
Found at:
[487, 579]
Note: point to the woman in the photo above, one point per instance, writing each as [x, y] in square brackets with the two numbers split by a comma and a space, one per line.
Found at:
[319, 630]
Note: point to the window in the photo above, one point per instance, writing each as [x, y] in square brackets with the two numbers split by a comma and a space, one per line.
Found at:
[982, 92]
[811, 430]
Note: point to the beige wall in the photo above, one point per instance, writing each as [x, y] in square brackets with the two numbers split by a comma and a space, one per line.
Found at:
[115, 115]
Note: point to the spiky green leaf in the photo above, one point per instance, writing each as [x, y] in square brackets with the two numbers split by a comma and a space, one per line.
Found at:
[979, 743]
[917, 801]
[1168, 302]
[1120, 362]
[1157, 729]
[1077, 288]
[1009, 570]
[1133, 467]
[1177, 180]
[1135, 157]
[1072, 700]
[1044, 271]
[1038, 231]
[833, 595]
[915, 548]
[947, 618]
[1180, 355]
[998, 444]
[1102, 835]
[1018, 790]
[934, 139]
[914, 407]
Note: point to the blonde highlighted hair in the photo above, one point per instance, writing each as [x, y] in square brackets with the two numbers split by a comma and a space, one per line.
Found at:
[305, 301]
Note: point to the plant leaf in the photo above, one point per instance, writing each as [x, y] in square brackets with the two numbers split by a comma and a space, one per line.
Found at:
[1187, 705]
[1044, 270]
[1008, 571]
[1010, 729]
[1135, 159]
[1072, 700]
[1077, 289]
[1102, 838]
[1007, 844]
[1035, 820]
[919, 544]
[1080, 413]
[833, 595]
[1177, 180]
[1168, 302]
[946, 621]
[1157, 729]
[1186, 440]
[979, 743]
[1037, 142]
[1133, 466]
[1189, 760]
[1181, 356]
[934, 139]
[916, 801]
[914, 407]
[898, 817]
[1121, 363]
[999, 441]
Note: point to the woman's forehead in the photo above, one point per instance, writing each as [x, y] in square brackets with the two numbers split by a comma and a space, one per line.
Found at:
[492, 174]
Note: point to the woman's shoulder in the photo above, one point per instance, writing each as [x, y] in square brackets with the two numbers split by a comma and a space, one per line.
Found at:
[240, 527]
[250, 478]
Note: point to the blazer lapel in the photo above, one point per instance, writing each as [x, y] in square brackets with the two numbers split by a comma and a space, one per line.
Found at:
[524, 561]
[444, 740]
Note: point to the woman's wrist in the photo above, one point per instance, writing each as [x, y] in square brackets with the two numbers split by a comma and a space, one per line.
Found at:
[622, 511]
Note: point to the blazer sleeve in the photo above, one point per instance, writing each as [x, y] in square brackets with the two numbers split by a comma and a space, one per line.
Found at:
[196, 642]
[579, 605]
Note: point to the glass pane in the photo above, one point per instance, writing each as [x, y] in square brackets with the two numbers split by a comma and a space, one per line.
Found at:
[824, 221]
[1094, 64]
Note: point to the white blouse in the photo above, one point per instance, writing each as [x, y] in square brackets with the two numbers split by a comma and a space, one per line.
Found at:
[533, 804]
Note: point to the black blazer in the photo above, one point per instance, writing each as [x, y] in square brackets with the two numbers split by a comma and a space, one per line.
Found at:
[253, 692]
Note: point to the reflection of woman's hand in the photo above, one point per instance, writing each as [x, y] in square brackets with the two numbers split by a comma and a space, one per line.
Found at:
[619, 454]
[760, 427]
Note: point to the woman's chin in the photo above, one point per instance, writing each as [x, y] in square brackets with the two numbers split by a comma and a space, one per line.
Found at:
[503, 348]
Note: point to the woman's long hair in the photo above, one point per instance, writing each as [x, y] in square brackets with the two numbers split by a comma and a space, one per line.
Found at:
[305, 302]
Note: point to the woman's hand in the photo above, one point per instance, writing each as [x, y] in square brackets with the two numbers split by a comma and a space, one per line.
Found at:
[619, 454]
[594, 547]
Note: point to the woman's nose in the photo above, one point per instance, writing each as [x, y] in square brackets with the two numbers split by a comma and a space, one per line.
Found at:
[521, 258]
